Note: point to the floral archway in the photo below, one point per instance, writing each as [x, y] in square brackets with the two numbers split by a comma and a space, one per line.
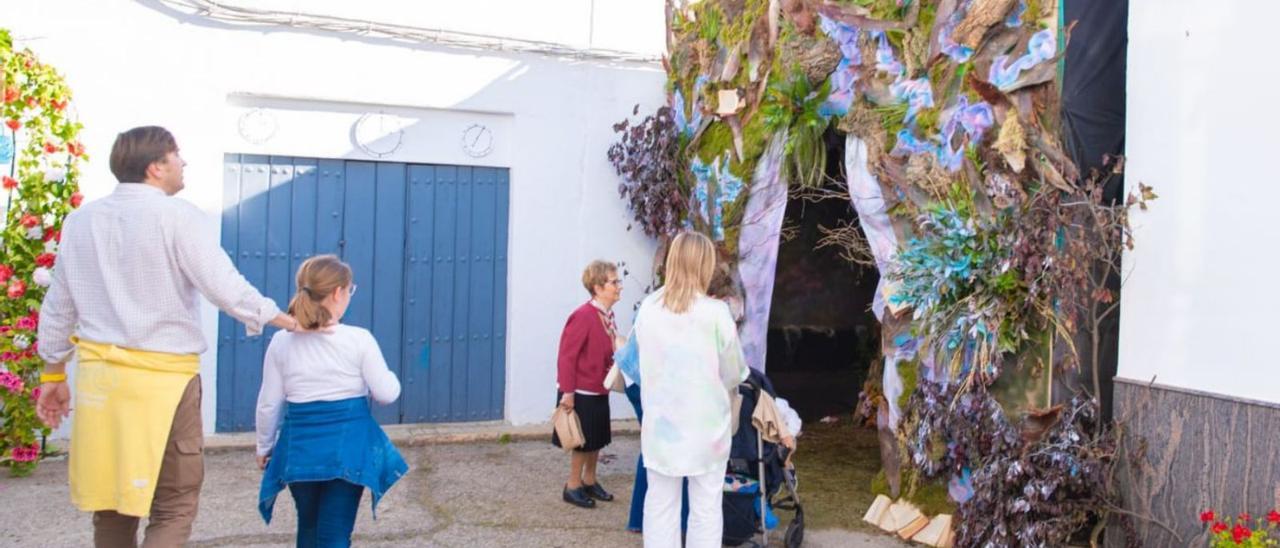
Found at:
[40, 158]
[997, 253]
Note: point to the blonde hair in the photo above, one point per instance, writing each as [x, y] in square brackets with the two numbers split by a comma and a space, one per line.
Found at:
[597, 274]
[318, 277]
[691, 262]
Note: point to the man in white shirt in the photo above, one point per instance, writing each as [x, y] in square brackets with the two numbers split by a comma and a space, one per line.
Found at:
[124, 295]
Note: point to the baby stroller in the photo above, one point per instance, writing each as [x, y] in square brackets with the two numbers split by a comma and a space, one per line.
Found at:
[757, 471]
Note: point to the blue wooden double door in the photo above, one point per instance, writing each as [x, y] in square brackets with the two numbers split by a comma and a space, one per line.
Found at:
[428, 246]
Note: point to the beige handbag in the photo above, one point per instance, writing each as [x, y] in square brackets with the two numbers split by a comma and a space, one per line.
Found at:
[568, 428]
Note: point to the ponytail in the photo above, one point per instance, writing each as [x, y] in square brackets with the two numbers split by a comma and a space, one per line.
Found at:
[318, 277]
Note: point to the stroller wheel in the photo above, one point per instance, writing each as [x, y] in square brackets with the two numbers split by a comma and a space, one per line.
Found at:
[794, 536]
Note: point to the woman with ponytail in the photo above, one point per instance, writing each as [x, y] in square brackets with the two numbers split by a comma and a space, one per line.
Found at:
[316, 434]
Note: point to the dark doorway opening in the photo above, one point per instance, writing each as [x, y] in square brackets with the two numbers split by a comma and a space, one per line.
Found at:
[822, 334]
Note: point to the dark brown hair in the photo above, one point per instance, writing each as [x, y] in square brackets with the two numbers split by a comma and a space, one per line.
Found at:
[317, 278]
[137, 149]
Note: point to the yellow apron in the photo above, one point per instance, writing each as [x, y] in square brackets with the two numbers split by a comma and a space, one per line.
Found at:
[124, 406]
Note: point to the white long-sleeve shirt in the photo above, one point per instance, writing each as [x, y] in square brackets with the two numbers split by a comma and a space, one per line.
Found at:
[129, 272]
[320, 366]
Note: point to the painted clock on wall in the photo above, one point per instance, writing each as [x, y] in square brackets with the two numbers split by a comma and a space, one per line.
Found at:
[477, 140]
[379, 134]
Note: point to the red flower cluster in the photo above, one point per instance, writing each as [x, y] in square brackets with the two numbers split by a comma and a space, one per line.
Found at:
[76, 199]
[11, 94]
[46, 260]
[54, 234]
[10, 183]
[5, 273]
[1240, 533]
[29, 220]
[59, 105]
[75, 148]
[26, 454]
[26, 323]
[51, 148]
[17, 288]
[13, 124]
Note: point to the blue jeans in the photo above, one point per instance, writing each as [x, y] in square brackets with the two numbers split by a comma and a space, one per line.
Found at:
[326, 512]
[641, 487]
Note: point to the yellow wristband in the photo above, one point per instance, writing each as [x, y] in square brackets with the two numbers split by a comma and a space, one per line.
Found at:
[52, 377]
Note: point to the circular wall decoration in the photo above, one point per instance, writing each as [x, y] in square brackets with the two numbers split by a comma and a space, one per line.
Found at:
[379, 134]
[257, 126]
[477, 141]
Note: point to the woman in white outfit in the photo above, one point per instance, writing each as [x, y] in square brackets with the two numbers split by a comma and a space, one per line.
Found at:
[690, 360]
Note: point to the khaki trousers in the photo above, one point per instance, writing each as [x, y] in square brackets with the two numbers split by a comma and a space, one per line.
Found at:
[177, 490]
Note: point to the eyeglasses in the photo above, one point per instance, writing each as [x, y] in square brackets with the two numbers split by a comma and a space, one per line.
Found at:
[352, 290]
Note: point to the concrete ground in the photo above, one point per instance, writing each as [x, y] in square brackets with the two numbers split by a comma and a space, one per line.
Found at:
[481, 493]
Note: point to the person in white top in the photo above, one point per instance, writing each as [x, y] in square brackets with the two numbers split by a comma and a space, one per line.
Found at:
[315, 431]
[690, 360]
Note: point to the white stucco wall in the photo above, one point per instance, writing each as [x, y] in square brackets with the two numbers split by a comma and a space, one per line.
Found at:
[134, 63]
[1200, 307]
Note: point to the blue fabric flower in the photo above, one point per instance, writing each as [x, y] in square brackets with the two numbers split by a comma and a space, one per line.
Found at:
[885, 61]
[845, 76]
[842, 90]
[1015, 17]
[1042, 47]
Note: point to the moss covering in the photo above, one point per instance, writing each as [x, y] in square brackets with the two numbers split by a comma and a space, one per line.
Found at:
[1034, 14]
[739, 31]
[929, 496]
[718, 139]
[909, 372]
[928, 15]
[927, 121]
[891, 118]
[887, 10]
[709, 20]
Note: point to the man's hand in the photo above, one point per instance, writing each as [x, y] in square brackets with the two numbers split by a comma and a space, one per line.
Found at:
[262, 461]
[566, 401]
[290, 324]
[286, 322]
[54, 403]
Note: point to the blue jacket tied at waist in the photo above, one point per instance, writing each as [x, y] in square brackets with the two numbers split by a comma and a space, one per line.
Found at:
[326, 440]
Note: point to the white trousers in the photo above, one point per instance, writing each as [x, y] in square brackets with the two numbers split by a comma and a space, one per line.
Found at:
[662, 511]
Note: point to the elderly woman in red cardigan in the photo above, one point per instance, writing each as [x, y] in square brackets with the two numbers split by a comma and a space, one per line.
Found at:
[586, 354]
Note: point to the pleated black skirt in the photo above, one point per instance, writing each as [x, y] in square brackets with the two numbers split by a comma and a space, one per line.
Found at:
[593, 413]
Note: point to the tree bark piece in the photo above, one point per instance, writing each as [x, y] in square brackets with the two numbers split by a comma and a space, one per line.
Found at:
[981, 16]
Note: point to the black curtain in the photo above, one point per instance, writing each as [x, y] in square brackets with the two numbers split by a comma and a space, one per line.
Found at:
[1093, 104]
[1093, 86]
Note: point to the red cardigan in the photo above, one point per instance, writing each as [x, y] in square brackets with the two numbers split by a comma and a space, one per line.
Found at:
[586, 352]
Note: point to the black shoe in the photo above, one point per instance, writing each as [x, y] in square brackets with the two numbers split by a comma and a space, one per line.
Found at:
[578, 497]
[596, 492]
